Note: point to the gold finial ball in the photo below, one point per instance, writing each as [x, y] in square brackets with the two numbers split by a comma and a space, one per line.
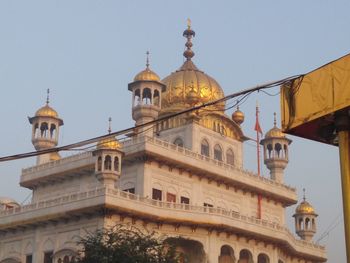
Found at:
[238, 117]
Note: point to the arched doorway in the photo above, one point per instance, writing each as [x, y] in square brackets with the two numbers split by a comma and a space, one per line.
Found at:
[191, 251]
[263, 258]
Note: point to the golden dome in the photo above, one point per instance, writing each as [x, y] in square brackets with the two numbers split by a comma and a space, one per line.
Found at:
[275, 133]
[147, 75]
[189, 86]
[46, 111]
[238, 117]
[109, 143]
[304, 208]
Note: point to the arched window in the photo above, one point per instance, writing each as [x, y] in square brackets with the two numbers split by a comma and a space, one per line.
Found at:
[307, 223]
[245, 256]
[217, 153]
[108, 163]
[226, 255]
[278, 148]
[263, 258]
[230, 158]
[59, 260]
[99, 163]
[269, 152]
[205, 148]
[146, 96]
[178, 141]
[43, 129]
[137, 97]
[53, 131]
[66, 259]
[156, 99]
[116, 164]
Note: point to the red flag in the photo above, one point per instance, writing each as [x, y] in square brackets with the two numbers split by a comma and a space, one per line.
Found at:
[257, 127]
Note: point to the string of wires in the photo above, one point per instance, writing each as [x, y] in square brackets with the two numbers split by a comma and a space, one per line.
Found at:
[73, 146]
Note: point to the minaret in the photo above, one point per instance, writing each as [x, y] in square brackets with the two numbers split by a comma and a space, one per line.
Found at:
[108, 159]
[146, 98]
[305, 220]
[276, 152]
[45, 131]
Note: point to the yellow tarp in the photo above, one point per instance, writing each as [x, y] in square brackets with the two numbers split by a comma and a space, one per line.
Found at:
[308, 103]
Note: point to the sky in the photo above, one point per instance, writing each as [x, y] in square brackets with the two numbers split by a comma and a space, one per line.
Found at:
[86, 52]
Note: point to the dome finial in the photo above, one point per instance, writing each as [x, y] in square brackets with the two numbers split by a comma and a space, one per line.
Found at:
[109, 125]
[304, 198]
[147, 59]
[189, 33]
[274, 120]
[48, 96]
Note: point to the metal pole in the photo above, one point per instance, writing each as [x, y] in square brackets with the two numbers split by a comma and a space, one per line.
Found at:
[342, 122]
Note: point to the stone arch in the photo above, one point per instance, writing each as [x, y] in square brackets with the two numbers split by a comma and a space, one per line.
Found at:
[189, 250]
[218, 152]
[137, 97]
[116, 164]
[53, 131]
[245, 256]
[205, 147]
[48, 245]
[222, 205]
[99, 163]
[28, 248]
[36, 130]
[269, 151]
[278, 150]
[227, 254]
[156, 98]
[263, 258]
[307, 223]
[65, 255]
[11, 260]
[44, 127]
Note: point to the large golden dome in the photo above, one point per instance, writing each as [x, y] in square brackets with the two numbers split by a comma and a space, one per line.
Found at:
[189, 86]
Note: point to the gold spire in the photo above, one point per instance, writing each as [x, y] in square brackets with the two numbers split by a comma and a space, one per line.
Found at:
[304, 207]
[304, 198]
[274, 120]
[48, 97]
[147, 59]
[109, 125]
[189, 33]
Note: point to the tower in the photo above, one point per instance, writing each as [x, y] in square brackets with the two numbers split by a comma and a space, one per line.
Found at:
[275, 146]
[108, 159]
[45, 131]
[146, 97]
[305, 220]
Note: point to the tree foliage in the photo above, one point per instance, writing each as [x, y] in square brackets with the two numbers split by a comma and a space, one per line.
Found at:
[123, 244]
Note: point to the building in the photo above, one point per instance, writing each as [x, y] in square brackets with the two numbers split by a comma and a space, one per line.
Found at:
[182, 176]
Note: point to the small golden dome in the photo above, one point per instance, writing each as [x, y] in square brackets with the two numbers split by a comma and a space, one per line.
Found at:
[110, 143]
[238, 117]
[304, 208]
[275, 132]
[147, 75]
[46, 111]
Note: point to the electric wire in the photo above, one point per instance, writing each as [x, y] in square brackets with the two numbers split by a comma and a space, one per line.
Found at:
[160, 119]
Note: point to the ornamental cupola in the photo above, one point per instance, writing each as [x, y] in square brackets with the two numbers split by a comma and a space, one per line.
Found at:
[45, 131]
[305, 220]
[146, 98]
[276, 145]
[108, 162]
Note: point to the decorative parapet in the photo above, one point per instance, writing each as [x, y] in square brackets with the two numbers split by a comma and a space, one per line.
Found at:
[17, 217]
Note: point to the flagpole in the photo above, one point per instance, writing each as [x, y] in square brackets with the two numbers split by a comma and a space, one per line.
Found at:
[258, 131]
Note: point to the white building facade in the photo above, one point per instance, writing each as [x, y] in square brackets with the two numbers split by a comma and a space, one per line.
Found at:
[182, 176]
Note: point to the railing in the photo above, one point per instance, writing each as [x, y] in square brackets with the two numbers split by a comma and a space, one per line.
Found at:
[128, 144]
[65, 199]
[197, 156]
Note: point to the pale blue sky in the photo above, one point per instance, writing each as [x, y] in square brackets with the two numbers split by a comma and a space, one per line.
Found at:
[86, 52]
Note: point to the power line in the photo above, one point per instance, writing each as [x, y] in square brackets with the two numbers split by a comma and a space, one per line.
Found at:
[67, 147]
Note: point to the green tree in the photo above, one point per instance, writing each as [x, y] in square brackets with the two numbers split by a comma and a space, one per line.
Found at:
[123, 244]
